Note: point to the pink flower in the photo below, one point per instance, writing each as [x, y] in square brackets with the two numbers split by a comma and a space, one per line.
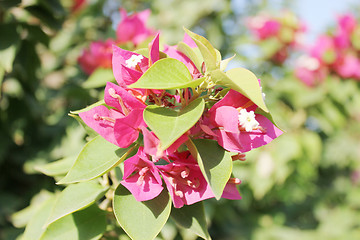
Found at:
[184, 180]
[141, 177]
[264, 27]
[324, 50]
[120, 125]
[133, 28]
[347, 23]
[152, 145]
[98, 55]
[128, 66]
[236, 126]
[310, 70]
[348, 67]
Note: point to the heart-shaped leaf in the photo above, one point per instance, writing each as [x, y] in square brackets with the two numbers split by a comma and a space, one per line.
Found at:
[168, 124]
[88, 224]
[141, 220]
[243, 81]
[214, 161]
[75, 197]
[99, 78]
[208, 52]
[192, 53]
[96, 158]
[192, 217]
[167, 73]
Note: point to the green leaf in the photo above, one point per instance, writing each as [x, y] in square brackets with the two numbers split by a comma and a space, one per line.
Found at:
[98, 103]
[91, 132]
[168, 125]
[167, 73]
[2, 76]
[192, 53]
[207, 50]
[8, 46]
[192, 217]
[9, 3]
[214, 161]
[99, 78]
[88, 224]
[225, 62]
[35, 228]
[45, 16]
[141, 220]
[21, 218]
[96, 158]
[243, 81]
[76, 197]
[59, 167]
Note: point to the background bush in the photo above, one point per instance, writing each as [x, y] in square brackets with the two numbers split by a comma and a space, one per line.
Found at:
[304, 185]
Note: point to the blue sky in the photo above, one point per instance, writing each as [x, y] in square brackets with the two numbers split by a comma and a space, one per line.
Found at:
[320, 14]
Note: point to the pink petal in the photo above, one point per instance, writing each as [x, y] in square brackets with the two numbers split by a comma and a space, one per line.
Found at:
[229, 141]
[256, 138]
[231, 192]
[103, 127]
[130, 102]
[225, 117]
[147, 188]
[188, 40]
[126, 129]
[154, 49]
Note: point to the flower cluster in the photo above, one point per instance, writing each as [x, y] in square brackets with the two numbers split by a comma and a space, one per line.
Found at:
[131, 30]
[172, 107]
[336, 53]
[278, 33]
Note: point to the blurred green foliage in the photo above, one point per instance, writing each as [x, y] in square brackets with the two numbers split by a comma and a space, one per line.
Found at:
[304, 185]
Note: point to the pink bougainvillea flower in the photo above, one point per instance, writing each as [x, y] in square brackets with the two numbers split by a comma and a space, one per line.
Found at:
[263, 26]
[231, 191]
[347, 23]
[129, 66]
[348, 67]
[102, 120]
[98, 55]
[127, 128]
[121, 99]
[120, 125]
[141, 177]
[184, 180]
[152, 145]
[310, 71]
[324, 50]
[246, 130]
[132, 28]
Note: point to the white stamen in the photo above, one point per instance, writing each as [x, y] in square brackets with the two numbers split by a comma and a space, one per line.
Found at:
[133, 61]
[247, 120]
[112, 93]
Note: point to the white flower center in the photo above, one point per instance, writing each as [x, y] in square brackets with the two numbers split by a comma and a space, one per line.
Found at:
[133, 61]
[247, 120]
